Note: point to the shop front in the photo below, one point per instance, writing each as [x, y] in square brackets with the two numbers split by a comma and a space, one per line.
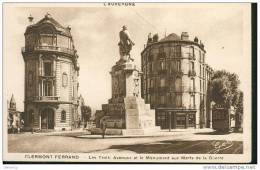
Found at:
[174, 119]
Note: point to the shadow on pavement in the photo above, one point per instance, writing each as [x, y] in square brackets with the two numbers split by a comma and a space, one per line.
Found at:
[212, 133]
[180, 147]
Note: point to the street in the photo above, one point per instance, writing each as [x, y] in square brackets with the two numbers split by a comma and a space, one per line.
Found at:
[195, 141]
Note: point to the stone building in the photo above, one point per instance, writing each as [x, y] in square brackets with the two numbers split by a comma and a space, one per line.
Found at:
[175, 81]
[15, 117]
[51, 75]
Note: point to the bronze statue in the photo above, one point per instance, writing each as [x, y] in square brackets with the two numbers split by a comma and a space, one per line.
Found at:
[125, 44]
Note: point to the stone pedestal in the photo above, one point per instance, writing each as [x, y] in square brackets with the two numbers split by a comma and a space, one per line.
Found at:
[126, 112]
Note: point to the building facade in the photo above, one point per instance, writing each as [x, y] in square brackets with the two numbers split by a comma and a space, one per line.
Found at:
[175, 81]
[15, 118]
[51, 75]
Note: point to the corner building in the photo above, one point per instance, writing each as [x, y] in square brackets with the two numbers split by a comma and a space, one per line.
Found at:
[175, 81]
[51, 76]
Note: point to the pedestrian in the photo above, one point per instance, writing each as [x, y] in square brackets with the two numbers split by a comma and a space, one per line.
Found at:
[22, 124]
[103, 128]
[15, 123]
[79, 123]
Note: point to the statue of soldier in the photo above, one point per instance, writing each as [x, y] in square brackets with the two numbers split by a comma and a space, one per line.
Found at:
[125, 44]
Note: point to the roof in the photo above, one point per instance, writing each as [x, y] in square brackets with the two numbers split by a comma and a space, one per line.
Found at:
[171, 37]
[49, 20]
[12, 99]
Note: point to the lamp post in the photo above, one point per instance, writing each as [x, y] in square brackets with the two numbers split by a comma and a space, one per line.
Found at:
[170, 121]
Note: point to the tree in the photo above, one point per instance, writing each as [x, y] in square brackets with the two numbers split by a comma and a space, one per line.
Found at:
[224, 88]
[239, 111]
[86, 114]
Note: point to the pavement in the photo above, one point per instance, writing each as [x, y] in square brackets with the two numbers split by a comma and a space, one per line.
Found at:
[176, 141]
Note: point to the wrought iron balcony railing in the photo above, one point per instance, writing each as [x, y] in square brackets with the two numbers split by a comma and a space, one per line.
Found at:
[49, 48]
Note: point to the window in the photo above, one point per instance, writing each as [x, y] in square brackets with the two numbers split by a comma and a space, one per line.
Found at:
[47, 87]
[151, 83]
[30, 78]
[200, 70]
[193, 84]
[148, 98]
[46, 40]
[192, 104]
[178, 100]
[162, 65]
[200, 85]
[191, 51]
[151, 67]
[152, 97]
[63, 41]
[178, 84]
[162, 99]
[162, 82]
[47, 69]
[192, 66]
[64, 79]
[177, 51]
[178, 65]
[63, 116]
[150, 58]
[191, 119]
[199, 55]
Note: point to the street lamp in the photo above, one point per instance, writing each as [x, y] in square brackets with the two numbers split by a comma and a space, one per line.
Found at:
[170, 121]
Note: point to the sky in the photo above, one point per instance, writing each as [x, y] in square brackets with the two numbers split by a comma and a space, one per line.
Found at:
[224, 30]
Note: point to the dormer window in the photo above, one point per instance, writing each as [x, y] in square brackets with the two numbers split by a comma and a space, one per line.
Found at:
[47, 36]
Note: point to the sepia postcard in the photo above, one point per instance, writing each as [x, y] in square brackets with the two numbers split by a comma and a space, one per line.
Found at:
[126, 82]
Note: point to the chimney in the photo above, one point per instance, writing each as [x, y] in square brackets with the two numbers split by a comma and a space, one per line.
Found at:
[155, 38]
[196, 40]
[184, 36]
[68, 27]
[30, 18]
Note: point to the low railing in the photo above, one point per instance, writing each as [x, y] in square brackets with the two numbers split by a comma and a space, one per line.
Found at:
[45, 98]
[49, 48]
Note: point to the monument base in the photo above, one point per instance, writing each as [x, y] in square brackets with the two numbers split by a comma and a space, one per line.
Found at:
[126, 112]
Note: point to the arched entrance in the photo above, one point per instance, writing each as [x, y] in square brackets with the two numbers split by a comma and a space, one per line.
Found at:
[47, 119]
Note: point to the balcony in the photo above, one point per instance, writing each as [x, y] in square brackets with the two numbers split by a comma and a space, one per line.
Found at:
[47, 76]
[50, 49]
[44, 98]
[192, 73]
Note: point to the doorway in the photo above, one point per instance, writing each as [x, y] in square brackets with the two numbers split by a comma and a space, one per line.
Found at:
[47, 119]
[181, 121]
